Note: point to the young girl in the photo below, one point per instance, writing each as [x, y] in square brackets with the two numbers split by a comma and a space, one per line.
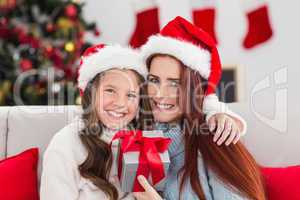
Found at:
[184, 68]
[78, 163]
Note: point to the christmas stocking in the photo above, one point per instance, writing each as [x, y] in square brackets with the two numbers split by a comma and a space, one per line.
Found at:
[259, 27]
[204, 14]
[147, 21]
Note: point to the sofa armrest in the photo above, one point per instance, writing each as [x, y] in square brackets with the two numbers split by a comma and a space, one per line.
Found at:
[4, 110]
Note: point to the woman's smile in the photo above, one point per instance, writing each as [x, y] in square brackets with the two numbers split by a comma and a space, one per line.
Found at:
[162, 106]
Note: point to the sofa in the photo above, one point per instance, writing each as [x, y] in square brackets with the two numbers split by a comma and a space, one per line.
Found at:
[24, 127]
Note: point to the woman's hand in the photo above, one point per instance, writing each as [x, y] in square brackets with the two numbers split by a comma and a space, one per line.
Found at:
[149, 194]
[226, 128]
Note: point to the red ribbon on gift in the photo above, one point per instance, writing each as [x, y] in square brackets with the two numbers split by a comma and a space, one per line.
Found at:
[149, 159]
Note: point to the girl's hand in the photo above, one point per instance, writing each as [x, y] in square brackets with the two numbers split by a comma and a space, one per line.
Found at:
[226, 128]
[149, 194]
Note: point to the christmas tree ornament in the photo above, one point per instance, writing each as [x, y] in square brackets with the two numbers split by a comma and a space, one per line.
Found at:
[96, 32]
[147, 21]
[71, 11]
[7, 5]
[259, 25]
[41, 91]
[3, 22]
[50, 27]
[56, 87]
[6, 86]
[70, 47]
[48, 50]
[25, 64]
[65, 23]
[204, 15]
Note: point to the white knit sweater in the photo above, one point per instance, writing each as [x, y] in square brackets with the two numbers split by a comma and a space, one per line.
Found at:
[61, 179]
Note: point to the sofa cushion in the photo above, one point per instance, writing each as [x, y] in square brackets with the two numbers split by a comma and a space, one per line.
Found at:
[34, 126]
[18, 175]
[3, 130]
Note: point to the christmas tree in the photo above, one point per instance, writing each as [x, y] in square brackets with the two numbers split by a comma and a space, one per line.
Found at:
[40, 45]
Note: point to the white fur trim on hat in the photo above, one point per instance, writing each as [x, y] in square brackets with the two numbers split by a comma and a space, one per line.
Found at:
[108, 57]
[251, 5]
[196, 4]
[189, 54]
[142, 5]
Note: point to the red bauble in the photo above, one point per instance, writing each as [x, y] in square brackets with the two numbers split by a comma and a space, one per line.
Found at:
[48, 51]
[68, 72]
[81, 34]
[3, 21]
[96, 32]
[25, 64]
[57, 58]
[71, 11]
[8, 5]
[50, 27]
[5, 32]
[22, 36]
[34, 42]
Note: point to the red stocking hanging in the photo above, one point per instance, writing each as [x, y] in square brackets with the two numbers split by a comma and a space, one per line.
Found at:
[147, 21]
[204, 14]
[259, 26]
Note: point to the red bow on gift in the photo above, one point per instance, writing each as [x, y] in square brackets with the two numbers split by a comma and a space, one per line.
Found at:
[149, 149]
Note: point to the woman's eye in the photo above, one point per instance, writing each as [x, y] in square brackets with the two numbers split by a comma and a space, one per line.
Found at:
[132, 96]
[153, 80]
[174, 84]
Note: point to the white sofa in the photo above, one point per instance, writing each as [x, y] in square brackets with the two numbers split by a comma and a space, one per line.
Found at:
[23, 127]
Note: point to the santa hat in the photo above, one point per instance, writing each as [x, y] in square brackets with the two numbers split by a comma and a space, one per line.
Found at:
[191, 45]
[99, 58]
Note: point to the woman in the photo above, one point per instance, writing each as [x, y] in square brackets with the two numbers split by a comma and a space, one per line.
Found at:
[184, 68]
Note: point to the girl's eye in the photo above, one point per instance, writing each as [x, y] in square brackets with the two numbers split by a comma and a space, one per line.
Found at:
[153, 80]
[110, 91]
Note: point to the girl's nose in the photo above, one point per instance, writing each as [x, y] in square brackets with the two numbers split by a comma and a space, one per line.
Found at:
[120, 101]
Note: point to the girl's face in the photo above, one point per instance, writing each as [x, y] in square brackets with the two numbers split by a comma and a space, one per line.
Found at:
[117, 98]
[164, 88]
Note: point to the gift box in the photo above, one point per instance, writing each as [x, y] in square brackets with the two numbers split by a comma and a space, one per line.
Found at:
[142, 153]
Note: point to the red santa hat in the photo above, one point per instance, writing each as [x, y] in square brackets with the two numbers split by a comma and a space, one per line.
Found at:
[191, 45]
[99, 58]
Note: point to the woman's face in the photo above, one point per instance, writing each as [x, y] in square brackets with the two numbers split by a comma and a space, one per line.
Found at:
[164, 88]
[117, 98]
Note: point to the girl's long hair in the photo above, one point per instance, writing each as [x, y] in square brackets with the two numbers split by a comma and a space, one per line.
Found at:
[98, 163]
[232, 164]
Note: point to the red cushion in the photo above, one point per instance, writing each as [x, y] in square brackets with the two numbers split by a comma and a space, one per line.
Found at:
[18, 176]
[282, 183]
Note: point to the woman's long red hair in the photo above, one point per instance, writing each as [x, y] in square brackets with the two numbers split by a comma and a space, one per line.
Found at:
[232, 164]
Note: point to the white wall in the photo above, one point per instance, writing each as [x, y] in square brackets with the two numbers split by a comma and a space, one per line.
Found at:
[116, 21]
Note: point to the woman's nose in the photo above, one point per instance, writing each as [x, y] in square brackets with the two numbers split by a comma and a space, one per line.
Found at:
[163, 92]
